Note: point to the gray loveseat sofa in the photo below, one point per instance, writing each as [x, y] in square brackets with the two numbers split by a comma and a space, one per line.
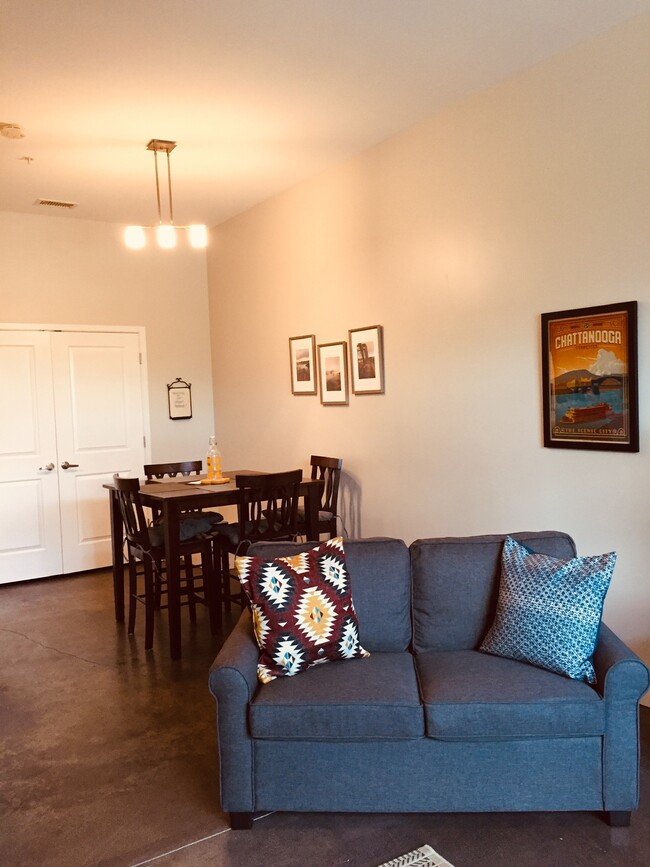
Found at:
[427, 723]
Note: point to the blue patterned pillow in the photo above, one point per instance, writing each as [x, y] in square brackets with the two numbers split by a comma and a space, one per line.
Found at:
[549, 610]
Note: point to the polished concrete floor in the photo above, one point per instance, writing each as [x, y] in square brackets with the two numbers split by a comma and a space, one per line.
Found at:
[108, 757]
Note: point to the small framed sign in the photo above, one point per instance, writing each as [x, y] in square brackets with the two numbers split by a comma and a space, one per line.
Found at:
[179, 398]
[302, 353]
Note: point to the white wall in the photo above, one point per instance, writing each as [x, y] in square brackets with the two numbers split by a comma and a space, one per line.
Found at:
[65, 271]
[456, 236]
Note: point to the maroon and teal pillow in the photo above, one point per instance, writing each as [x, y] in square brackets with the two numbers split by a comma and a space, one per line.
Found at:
[303, 614]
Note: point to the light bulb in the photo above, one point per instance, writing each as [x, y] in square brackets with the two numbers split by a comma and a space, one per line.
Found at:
[134, 237]
[166, 237]
[198, 236]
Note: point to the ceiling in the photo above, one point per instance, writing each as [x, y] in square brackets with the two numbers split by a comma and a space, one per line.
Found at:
[259, 94]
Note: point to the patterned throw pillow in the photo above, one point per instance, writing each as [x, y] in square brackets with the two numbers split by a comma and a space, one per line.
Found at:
[302, 609]
[549, 610]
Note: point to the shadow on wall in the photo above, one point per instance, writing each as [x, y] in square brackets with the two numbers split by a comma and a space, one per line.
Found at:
[349, 507]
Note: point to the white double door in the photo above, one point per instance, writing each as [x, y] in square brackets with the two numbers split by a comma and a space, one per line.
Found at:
[71, 415]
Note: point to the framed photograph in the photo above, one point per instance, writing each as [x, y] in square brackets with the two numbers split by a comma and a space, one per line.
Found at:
[302, 353]
[333, 373]
[589, 377]
[367, 360]
[179, 399]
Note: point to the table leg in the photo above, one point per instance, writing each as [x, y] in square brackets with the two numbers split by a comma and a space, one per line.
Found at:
[117, 543]
[172, 563]
[312, 505]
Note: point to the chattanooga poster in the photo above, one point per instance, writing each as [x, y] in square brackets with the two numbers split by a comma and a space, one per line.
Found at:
[589, 377]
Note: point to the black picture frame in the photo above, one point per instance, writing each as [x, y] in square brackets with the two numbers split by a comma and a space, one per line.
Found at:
[590, 378]
[179, 399]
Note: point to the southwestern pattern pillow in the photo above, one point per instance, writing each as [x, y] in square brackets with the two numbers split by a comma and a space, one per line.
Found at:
[302, 609]
[549, 610]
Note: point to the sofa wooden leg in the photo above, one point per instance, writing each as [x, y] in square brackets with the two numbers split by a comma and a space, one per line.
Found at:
[241, 821]
[619, 818]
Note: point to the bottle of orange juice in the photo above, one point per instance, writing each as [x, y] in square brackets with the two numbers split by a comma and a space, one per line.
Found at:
[213, 460]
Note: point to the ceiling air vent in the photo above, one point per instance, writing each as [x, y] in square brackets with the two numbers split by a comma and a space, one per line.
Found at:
[54, 203]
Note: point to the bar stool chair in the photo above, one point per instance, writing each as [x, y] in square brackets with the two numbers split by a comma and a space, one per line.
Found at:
[329, 470]
[145, 545]
[267, 508]
[172, 471]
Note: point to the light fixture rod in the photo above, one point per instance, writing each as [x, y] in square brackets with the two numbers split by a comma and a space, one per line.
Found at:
[155, 145]
[169, 182]
[155, 159]
[166, 233]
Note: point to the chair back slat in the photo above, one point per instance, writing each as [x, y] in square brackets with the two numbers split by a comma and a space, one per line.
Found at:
[329, 470]
[183, 468]
[268, 505]
[133, 517]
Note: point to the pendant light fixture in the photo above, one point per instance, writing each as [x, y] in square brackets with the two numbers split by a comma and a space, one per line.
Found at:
[135, 236]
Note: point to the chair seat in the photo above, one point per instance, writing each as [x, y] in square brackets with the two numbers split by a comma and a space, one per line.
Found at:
[156, 549]
[230, 532]
[322, 516]
[191, 525]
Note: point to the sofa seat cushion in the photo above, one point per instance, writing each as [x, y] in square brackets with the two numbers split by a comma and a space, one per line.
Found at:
[360, 699]
[472, 696]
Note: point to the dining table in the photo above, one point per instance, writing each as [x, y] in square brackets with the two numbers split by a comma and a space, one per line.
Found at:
[169, 498]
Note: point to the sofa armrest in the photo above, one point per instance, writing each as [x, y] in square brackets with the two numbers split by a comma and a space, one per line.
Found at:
[233, 682]
[238, 655]
[620, 674]
[622, 678]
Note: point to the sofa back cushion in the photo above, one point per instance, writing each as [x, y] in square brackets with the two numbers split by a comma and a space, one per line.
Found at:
[456, 585]
[379, 572]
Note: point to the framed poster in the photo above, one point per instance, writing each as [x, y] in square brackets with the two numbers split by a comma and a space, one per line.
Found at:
[333, 373]
[302, 354]
[367, 360]
[589, 376]
[179, 398]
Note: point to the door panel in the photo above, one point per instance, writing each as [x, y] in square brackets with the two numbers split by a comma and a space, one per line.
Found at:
[30, 527]
[69, 398]
[98, 414]
[100, 427]
[24, 497]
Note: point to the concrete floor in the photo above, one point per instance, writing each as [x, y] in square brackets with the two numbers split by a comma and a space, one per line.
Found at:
[108, 757]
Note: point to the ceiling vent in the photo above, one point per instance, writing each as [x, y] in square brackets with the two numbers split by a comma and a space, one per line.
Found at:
[11, 130]
[54, 203]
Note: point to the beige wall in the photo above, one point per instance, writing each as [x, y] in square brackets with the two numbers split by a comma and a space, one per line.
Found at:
[456, 236]
[63, 271]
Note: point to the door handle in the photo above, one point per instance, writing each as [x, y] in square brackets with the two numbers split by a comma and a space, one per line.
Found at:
[49, 467]
[66, 466]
